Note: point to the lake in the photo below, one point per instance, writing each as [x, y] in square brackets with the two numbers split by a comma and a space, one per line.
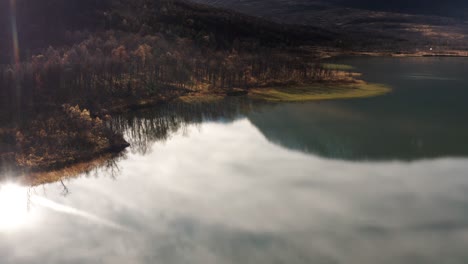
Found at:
[375, 180]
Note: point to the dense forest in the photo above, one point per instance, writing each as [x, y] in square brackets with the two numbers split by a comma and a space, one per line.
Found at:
[113, 50]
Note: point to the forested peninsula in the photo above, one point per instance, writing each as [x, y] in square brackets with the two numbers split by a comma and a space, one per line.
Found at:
[67, 67]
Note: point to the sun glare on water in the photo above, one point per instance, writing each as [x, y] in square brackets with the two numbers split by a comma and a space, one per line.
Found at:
[13, 206]
[15, 202]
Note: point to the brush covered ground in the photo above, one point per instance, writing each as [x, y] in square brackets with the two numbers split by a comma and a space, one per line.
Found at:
[56, 140]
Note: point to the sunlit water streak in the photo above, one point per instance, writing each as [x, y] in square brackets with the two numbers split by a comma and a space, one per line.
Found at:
[41, 201]
[15, 209]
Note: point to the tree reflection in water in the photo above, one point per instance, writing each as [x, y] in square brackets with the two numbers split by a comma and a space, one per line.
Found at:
[142, 128]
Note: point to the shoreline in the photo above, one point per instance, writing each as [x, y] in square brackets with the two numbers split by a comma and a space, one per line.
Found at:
[419, 54]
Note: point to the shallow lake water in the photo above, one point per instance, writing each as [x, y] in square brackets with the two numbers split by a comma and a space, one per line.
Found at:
[375, 180]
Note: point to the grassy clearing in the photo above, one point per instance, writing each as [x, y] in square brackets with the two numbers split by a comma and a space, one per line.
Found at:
[319, 92]
[201, 98]
[337, 67]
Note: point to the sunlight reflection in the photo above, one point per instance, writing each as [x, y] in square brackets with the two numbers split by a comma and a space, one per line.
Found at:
[13, 206]
[75, 212]
[14, 31]
[15, 201]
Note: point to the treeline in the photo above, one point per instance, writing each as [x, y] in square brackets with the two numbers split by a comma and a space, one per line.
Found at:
[100, 53]
[113, 66]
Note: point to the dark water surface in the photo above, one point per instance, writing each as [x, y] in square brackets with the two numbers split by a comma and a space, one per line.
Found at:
[377, 180]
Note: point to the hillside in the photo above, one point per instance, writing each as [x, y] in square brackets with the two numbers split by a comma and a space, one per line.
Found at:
[361, 25]
[344, 24]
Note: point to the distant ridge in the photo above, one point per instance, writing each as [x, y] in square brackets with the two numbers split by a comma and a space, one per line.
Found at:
[450, 8]
[370, 25]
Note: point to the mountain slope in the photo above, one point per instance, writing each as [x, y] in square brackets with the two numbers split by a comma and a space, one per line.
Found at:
[364, 26]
